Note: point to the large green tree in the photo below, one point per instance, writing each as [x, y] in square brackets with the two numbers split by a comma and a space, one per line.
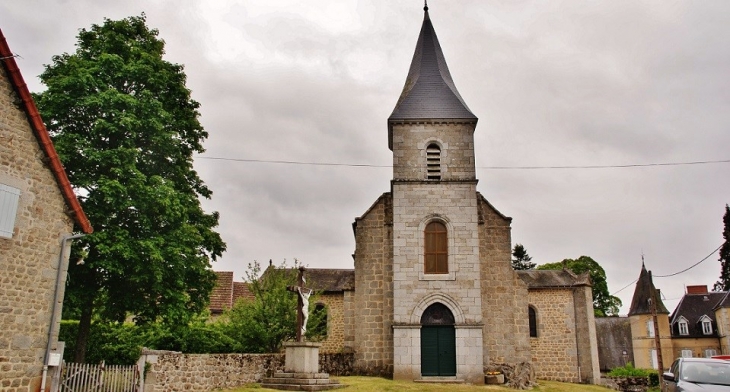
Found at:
[263, 323]
[126, 128]
[604, 304]
[724, 283]
[520, 258]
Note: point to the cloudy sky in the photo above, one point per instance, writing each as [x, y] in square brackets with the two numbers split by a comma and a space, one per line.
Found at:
[554, 84]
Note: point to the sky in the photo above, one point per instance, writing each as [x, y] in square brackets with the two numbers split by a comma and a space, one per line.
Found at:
[618, 84]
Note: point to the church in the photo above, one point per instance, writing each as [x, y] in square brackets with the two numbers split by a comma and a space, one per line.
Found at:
[433, 295]
[434, 292]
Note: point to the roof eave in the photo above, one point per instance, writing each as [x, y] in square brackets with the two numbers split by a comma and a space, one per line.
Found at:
[41, 133]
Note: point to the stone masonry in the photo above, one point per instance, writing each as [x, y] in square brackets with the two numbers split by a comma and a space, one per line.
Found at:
[29, 260]
[371, 314]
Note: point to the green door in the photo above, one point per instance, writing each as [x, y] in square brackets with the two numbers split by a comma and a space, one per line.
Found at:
[438, 350]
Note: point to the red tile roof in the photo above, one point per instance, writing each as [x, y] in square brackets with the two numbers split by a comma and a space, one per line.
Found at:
[7, 58]
[221, 297]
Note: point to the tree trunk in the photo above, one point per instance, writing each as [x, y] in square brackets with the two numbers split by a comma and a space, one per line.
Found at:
[82, 339]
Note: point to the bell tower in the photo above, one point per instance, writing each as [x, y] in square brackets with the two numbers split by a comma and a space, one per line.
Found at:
[436, 262]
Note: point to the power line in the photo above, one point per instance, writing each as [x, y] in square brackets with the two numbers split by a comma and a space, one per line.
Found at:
[674, 274]
[292, 162]
[623, 288]
[691, 266]
[624, 166]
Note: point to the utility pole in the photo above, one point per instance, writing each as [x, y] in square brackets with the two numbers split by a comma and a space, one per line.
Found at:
[657, 339]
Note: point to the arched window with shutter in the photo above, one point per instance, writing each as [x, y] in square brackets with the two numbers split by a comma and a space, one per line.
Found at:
[436, 249]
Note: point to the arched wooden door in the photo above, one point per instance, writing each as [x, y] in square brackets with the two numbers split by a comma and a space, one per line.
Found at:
[438, 342]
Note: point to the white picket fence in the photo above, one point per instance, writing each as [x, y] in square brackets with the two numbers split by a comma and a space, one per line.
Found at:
[84, 377]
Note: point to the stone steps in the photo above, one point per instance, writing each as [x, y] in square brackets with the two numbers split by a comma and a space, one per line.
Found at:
[301, 382]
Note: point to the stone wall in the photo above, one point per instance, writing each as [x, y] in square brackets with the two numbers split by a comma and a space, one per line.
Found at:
[457, 150]
[29, 260]
[722, 315]
[614, 338]
[371, 312]
[335, 340]
[554, 350]
[206, 372]
[504, 304]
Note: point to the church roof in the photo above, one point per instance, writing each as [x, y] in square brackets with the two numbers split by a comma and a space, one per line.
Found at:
[540, 279]
[326, 279]
[643, 292]
[429, 91]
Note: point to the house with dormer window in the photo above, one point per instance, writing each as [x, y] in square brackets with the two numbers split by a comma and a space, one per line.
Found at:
[693, 323]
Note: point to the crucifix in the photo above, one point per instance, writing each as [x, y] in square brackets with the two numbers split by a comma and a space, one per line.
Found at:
[303, 294]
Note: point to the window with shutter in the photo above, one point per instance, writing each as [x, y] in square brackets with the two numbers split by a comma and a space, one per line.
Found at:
[650, 328]
[435, 249]
[9, 198]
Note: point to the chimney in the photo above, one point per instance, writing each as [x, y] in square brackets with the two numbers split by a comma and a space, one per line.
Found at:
[698, 289]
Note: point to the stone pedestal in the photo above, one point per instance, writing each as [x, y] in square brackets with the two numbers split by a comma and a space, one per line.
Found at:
[301, 370]
[301, 357]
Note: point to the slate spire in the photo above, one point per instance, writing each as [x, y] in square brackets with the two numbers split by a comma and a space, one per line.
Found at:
[643, 292]
[429, 91]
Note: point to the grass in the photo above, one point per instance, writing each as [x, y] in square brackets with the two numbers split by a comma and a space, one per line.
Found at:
[375, 384]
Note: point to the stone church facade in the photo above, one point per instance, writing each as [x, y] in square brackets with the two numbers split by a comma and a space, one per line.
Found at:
[435, 294]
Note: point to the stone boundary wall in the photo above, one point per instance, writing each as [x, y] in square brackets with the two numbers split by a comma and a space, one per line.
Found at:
[169, 371]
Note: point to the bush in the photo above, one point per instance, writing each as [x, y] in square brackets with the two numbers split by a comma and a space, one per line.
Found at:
[121, 344]
[629, 371]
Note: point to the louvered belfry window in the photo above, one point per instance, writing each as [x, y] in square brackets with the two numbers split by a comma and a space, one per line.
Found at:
[436, 249]
[433, 161]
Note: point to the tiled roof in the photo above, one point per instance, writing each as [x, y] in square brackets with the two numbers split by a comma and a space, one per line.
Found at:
[323, 279]
[221, 297]
[640, 303]
[429, 91]
[553, 278]
[241, 290]
[7, 58]
[693, 307]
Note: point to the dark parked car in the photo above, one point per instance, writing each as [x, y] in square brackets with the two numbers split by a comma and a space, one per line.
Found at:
[698, 374]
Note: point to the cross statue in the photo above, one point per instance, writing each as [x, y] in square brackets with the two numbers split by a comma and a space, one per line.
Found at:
[303, 294]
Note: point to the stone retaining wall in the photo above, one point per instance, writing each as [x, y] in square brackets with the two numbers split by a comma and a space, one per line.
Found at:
[169, 371]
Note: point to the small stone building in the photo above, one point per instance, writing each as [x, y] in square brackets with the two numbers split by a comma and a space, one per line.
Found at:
[38, 210]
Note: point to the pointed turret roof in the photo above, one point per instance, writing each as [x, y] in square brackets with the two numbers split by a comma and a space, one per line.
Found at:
[643, 292]
[429, 91]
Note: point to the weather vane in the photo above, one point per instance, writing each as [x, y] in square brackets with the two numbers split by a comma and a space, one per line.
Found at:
[425, 5]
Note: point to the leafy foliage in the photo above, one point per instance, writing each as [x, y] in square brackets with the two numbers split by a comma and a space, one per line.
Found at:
[262, 324]
[520, 258]
[724, 283]
[604, 304]
[126, 128]
[630, 371]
